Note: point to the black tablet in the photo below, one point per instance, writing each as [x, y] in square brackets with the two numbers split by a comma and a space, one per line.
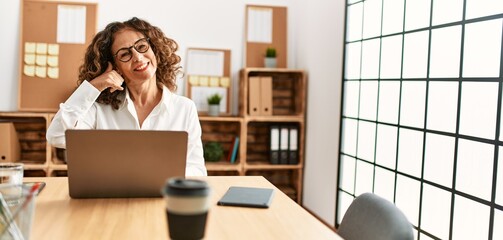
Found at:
[247, 197]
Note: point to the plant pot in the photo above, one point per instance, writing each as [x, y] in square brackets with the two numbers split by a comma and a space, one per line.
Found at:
[270, 62]
[214, 109]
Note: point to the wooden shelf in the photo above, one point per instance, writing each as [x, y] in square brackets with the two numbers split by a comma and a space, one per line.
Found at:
[221, 119]
[288, 108]
[61, 167]
[259, 166]
[293, 119]
[289, 88]
[28, 166]
[30, 130]
[288, 93]
[210, 166]
[272, 70]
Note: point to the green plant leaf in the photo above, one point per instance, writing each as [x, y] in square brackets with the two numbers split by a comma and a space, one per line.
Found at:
[270, 52]
[214, 99]
[213, 151]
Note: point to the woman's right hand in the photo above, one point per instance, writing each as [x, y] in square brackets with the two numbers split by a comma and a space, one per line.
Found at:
[109, 79]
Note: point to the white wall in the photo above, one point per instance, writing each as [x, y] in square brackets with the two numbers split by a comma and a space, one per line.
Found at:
[315, 44]
[9, 47]
[320, 45]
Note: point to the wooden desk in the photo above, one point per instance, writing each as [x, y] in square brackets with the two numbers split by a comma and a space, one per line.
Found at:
[57, 216]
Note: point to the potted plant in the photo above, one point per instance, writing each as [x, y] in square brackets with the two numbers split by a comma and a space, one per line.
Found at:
[214, 104]
[270, 57]
[213, 151]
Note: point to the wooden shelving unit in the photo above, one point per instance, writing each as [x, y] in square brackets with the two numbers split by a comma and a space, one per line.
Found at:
[35, 151]
[288, 107]
[289, 97]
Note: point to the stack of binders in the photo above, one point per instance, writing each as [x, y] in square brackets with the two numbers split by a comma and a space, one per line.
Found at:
[284, 144]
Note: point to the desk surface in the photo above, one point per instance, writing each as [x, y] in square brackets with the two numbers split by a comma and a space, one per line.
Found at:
[57, 216]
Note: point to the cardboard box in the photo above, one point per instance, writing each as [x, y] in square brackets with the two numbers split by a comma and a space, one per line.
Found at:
[10, 150]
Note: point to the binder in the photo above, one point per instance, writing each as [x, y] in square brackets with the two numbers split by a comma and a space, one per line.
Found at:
[283, 145]
[274, 145]
[235, 150]
[10, 149]
[266, 96]
[293, 152]
[254, 103]
[231, 149]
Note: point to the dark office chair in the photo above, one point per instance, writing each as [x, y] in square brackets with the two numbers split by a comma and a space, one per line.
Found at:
[372, 217]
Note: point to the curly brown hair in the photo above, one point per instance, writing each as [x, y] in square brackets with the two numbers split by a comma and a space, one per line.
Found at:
[99, 53]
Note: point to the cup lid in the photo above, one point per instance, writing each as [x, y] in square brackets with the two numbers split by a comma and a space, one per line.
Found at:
[179, 186]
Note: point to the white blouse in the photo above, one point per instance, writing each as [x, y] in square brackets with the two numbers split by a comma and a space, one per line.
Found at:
[174, 112]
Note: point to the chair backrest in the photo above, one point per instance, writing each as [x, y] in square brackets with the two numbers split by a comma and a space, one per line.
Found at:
[372, 217]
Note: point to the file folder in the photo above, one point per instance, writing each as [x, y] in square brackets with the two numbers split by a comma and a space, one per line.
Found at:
[283, 145]
[293, 146]
[266, 96]
[10, 149]
[274, 145]
[254, 100]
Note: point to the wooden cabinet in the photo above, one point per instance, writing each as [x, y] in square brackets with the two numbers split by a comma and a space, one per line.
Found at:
[253, 156]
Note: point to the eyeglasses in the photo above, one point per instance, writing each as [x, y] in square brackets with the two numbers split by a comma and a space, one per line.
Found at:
[125, 54]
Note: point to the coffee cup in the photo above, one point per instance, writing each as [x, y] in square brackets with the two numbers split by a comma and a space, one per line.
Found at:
[187, 204]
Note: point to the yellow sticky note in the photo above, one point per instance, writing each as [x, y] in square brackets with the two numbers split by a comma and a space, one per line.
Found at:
[214, 81]
[53, 49]
[40, 72]
[29, 59]
[52, 61]
[193, 80]
[29, 47]
[41, 60]
[41, 48]
[53, 72]
[225, 81]
[29, 70]
[203, 81]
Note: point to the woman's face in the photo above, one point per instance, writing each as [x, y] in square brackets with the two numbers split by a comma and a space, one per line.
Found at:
[140, 67]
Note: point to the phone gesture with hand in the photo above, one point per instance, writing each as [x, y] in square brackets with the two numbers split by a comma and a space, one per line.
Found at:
[109, 79]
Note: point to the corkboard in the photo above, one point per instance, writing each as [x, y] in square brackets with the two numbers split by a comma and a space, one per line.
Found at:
[255, 51]
[226, 73]
[39, 20]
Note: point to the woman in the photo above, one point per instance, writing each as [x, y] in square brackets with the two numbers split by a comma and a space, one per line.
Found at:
[127, 81]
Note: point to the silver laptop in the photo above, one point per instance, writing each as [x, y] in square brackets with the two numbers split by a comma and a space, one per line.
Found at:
[123, 163]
